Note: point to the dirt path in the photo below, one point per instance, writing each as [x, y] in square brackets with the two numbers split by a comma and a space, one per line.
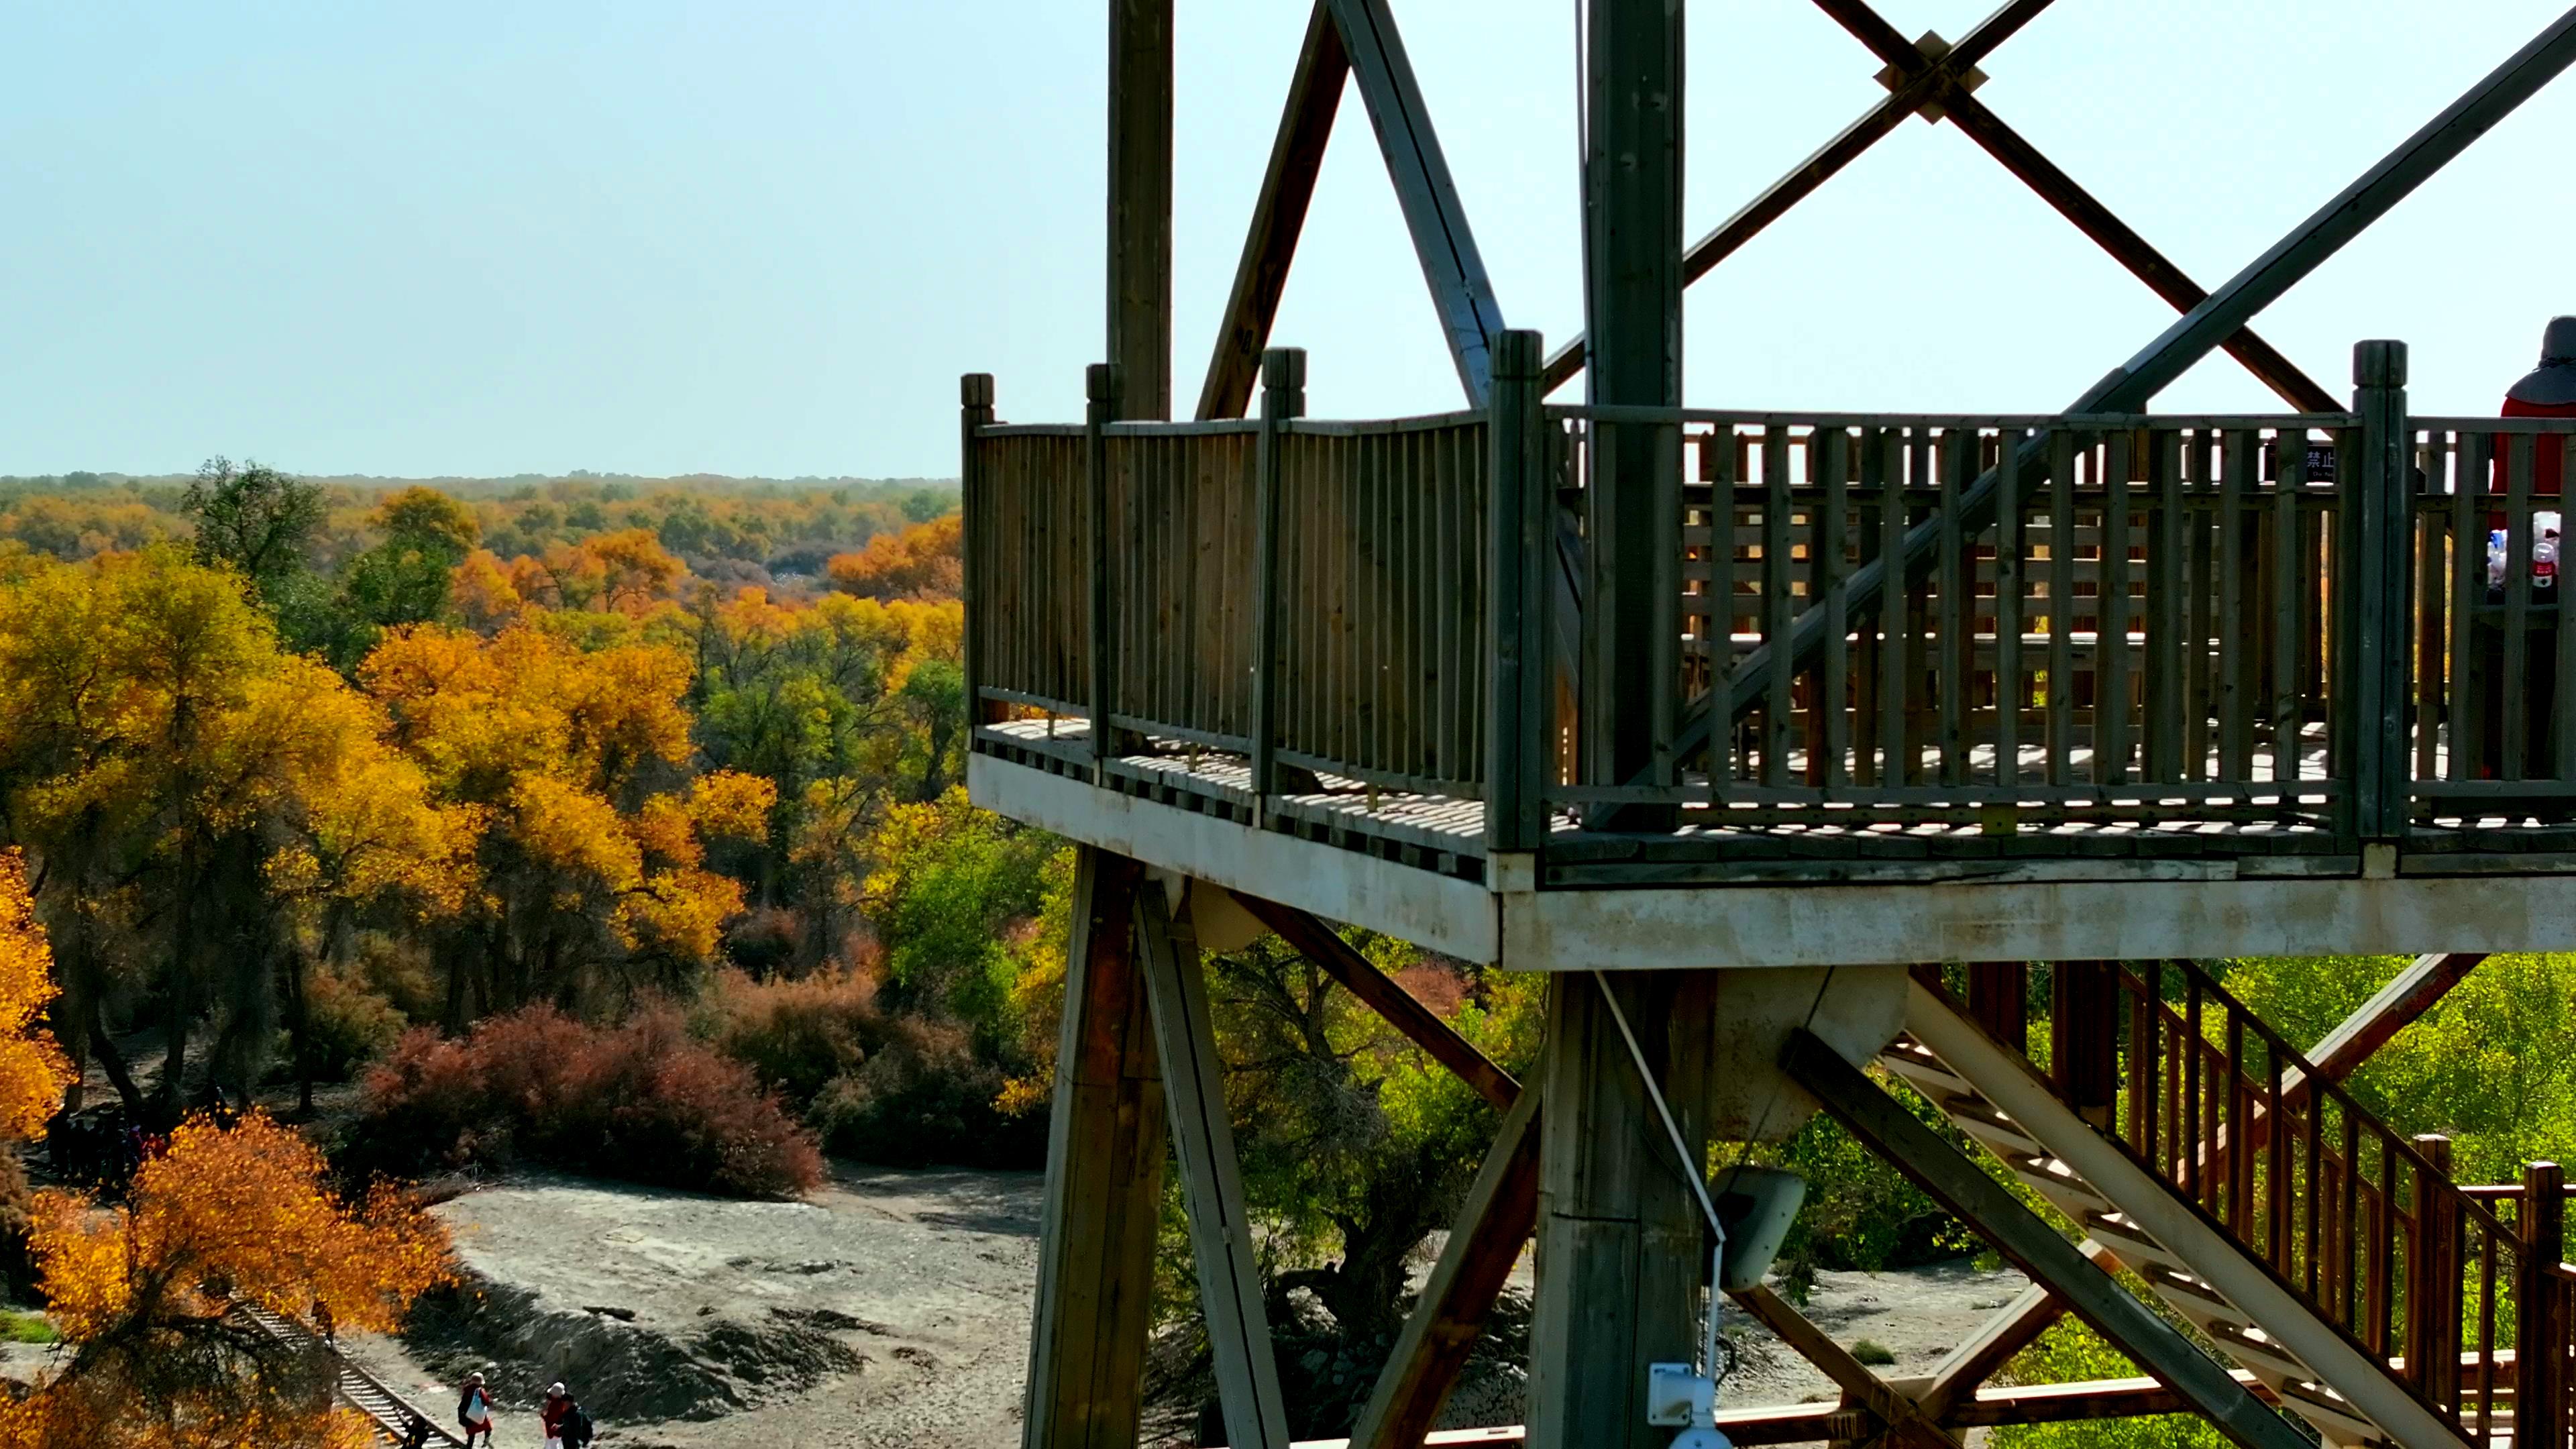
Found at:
[890, 1310]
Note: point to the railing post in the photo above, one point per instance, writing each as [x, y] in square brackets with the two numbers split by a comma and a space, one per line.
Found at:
[2433, 1278]
[2371, 695]
[1520, 529]
[1283, 396]
[974, 411]
[1100, 386]
[2539, 1347]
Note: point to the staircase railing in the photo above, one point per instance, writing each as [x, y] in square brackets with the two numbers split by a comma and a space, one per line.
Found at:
[2363, 1224]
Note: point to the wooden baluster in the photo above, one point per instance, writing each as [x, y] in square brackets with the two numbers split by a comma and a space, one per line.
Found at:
[1895, 616]
[2277, 1196]
[2288, 708]
[2008, 590]
[1999, 1001]
[2379, 1237]
[2195, 1147]
[2431, 593]
[2061, 609]
[2488, 1249]
[2468, 592]
[2514, 699]
[2314, 1121]
[1958, 617]
[2540, 1347]
[2143, 1077]
[2111, 675]
[2240, 1165]
[2433, 1278]
[1827, 543]
[2348, 1215]
[2167, 687]
[2237, 645]
[1779, 605]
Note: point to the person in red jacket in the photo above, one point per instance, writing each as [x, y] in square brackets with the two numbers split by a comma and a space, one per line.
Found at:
[2547, 391]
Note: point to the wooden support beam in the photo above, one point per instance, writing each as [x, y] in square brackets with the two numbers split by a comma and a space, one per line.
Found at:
[1318, 942]
[1959, 1185]
[1278, 218]
[2073, 202]
[1910, 96]
[1247, 1373]
[1621, 1240]
[1140, 204]
[1493, 1225]
[1104, 1184]
[1632, 303]
[2415, 991]
[1469, 316]
[2131, 387]
[1957, 1376]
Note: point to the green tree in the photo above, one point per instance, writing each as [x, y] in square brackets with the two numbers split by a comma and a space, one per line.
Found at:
[405, 579]
[253, 519]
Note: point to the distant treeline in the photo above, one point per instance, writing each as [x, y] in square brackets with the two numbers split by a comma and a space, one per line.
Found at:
[758, 531]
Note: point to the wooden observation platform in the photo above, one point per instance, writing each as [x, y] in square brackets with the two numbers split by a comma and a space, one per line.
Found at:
[1902, 708]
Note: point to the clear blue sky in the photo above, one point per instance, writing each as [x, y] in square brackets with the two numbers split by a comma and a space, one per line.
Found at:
[660, 237]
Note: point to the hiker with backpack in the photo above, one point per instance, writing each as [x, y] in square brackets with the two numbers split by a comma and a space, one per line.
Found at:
[474, 1411]
[567, 1424]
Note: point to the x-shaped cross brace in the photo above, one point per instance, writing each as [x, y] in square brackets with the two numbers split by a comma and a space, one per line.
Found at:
[1935, 83]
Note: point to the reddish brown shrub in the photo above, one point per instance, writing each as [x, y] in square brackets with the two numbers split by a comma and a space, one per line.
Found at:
[643, 1101]
[794, 1035]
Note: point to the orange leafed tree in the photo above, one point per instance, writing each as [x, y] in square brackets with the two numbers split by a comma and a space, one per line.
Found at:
[141, 1294]
[925, 561]
[33, 1072]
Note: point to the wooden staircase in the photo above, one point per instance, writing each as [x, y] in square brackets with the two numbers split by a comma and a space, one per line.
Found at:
[2116, 1242]
[2326, 1255]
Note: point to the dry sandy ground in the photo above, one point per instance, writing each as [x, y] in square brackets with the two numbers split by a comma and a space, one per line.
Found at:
[936, 1271]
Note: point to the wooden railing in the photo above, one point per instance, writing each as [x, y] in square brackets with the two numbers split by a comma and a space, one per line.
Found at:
[2140, 633]
[2283, 628]
[1309, 595]
[2362, 1223]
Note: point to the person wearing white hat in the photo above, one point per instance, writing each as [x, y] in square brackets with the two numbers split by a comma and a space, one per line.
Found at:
[474, 1411]
[567, 1424]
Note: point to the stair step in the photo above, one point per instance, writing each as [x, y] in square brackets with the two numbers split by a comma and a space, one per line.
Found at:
[2185, 1285]
[2059, 1182]
[2327, 1410]
[2131, 1245]
[2252, 1348]
[1921, 1067]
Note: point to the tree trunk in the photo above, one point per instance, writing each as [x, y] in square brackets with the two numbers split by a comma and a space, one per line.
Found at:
[299, 1023]
[113, 1061]
[174, 1057]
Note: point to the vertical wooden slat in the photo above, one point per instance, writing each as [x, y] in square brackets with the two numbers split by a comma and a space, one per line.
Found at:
[1957, 582]
[2277, 1193]
[1827, 542]
[2193, 1047]
[2313, 1120]
[2240, 1165]
[2008, 591]
[2432, 592]
[2540, 1371]
[1283, 395]
[1726, 535]
[1868, 692]
[2347, 1210]
[1779, 608]
[2236, 624]
[2514, 698]
[2199, 685]
[2111, 669]
[2468, 591]
[2061, 608]
[2142, 1084]
[2287, 707]
[1101, 386]
[1894, 613]
[2167, 688]
[2562, 714]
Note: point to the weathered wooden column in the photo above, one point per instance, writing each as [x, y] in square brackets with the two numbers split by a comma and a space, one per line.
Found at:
[1621, 1253]
[1140, 205]
[2540, 1368]
[1104, 1192]
[1632, 198]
